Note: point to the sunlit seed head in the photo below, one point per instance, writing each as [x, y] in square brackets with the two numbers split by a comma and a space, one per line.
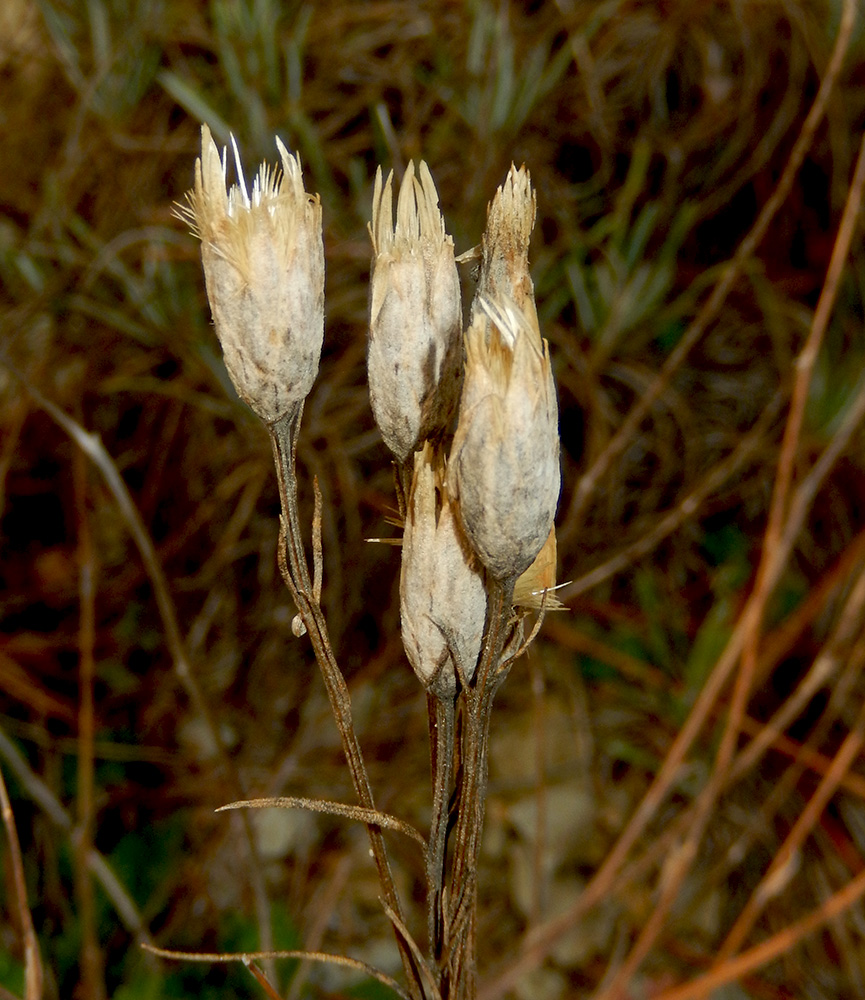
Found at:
[263, 261]
[414, 354]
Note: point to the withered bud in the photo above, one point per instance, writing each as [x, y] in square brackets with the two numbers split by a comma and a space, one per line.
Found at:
[504, 464]
[263, 258]
[415, 349]
[442, 595]
[504, 272]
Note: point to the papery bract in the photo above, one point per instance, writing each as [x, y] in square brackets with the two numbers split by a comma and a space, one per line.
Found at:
[442, 595]
[504, 463]
[415, 352]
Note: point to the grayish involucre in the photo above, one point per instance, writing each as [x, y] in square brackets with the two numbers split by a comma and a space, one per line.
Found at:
[415, 352]
[263, 258]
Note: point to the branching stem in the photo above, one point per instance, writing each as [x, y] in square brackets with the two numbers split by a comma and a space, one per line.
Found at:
[476, 703]
[283, 435]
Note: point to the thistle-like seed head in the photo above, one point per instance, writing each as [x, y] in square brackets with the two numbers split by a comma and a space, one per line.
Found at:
[442, 595]
[415, 350]
[263, 258]
[504, 464]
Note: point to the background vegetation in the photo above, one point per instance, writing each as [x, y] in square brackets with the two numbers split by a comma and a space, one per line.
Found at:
[677, 777]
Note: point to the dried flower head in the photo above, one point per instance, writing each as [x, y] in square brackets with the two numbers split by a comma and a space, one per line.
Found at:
[504, 272]
[504, 464]
[442, 595]
[263, 258]
[415, 321]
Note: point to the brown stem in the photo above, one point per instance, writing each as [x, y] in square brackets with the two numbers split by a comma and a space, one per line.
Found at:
[477, 709]
[33, 972]
[442, 712]
[283, 434]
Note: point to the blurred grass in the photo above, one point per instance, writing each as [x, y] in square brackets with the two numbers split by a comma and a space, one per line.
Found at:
[654, 133]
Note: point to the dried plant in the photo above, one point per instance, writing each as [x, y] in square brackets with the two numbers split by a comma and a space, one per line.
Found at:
[475, 521]
[675, 794]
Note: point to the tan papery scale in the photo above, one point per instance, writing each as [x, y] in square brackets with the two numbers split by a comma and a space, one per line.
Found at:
[535, 587]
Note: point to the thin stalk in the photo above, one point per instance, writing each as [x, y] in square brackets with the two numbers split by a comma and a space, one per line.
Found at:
[442, 713]
[92, 975]
[477, 710]
[283, 434]
[34, 975]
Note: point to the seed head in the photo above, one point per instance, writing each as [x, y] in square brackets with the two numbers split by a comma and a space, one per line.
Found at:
[442, 595]
[504, 464]
[415, 350]
[263, 258]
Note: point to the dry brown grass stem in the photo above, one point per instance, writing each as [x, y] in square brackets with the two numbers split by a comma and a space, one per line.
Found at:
[91, 446]
[426, 975]
[783, 525]
[478, 697]
[33, 973]
[806, 756]
[102, 871]
[441, 713]
[677, 845]
[689, 826]
[744, 453]
[262, 981]
[786, 858]
[321, 915]
[591, 478]
[773, 947]
[782, 639]
[803, 756]
[821, 673]
[222, 958]
[780, 522]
